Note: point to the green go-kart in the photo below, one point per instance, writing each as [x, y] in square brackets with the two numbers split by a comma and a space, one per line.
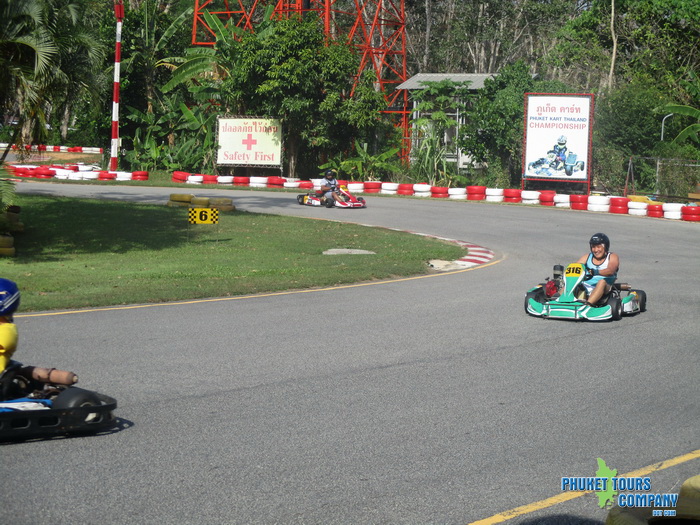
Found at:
[564, 297]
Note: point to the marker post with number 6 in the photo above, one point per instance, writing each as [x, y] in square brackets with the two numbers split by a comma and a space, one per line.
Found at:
[203, 216]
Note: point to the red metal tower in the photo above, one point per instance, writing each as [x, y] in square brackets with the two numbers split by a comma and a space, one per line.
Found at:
[377, 29]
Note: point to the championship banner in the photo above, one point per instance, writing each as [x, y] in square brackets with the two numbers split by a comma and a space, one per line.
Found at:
[557, 137]
[249, 141]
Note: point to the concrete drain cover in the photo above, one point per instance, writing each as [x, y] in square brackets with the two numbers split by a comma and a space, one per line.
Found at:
[345, 251]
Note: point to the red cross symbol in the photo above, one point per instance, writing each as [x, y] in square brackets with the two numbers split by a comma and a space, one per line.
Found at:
[250, 142]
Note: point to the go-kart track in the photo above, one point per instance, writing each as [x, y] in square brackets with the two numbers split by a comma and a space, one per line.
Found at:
[425, 400]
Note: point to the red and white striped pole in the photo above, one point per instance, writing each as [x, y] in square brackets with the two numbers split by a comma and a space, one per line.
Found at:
[119, 14]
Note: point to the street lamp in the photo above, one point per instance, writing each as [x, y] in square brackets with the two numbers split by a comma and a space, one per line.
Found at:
[663, 120]
[658, 162]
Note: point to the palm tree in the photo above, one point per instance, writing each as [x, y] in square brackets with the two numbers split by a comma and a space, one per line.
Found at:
[26, 51]
[49, 56]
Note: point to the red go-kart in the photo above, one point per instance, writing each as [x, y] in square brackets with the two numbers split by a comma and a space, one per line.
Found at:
[316, 198]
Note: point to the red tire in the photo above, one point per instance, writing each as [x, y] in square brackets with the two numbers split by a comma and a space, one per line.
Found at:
[405, 187]
[546, 203]
[619, 201]
[477, 190]
[690, 210]
[622, 210]
[657, 214]
[579, 205]
[476, 196]
[373, 185]
[405, 192]
[578, 199]
[241, 181]
[691, 218]
[439, 195]
[438, 189]
[512, 199]
[511, 193]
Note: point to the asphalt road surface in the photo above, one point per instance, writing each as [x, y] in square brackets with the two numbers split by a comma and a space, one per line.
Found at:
[430, 400]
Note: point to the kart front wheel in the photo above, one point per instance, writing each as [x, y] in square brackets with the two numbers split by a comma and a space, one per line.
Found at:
[537, 295]
[642, 299]
[615, 307]
[300, 199]
[75, 397]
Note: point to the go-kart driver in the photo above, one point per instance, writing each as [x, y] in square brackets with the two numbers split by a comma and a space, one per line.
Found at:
[601, 268]
[9, 302]
[559, 152]
[329, 186]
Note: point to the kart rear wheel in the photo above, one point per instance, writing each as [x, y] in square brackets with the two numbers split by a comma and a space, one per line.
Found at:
[330, 203]
[642, 298]
[537, 295]
[300, 199]
[615, 307]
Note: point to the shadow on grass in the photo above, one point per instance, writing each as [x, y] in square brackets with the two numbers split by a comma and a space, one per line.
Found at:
[58, 226]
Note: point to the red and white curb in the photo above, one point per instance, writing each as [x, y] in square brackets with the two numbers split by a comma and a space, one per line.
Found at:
[476, 256]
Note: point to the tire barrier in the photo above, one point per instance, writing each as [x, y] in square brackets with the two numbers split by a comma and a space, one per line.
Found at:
[54, 149]
[633, 205]
[187, 200]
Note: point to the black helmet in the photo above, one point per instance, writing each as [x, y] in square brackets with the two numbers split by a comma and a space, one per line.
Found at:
[600, 238]
[329, 172]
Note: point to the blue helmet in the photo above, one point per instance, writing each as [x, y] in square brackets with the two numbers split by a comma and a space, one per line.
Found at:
[9, 297]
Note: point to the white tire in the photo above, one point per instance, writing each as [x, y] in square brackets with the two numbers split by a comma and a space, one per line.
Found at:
[192, 179]
[599, 200]
[562, 205]
[258, 185]
[90, 175]
[530, 196]
[292, 184]
[356, 186]
[598, 207]
[457, 191]
[494, 198]
[675, 215]
[75, 175]
[387, 192]
[637, 211]
[530, 201]
[390, 186]
[672, 206]
[458, 197]
[632, 205]
[562, 198]
[225, 179]
[422, 193]
[258, 180]
[494, 192]
[421, 187]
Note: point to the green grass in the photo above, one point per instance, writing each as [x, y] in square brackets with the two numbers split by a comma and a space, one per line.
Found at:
[77, 253]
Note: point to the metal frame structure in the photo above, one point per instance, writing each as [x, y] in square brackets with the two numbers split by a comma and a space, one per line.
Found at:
[376, 28]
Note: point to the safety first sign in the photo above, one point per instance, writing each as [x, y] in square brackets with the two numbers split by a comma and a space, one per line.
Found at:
[249, 141]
